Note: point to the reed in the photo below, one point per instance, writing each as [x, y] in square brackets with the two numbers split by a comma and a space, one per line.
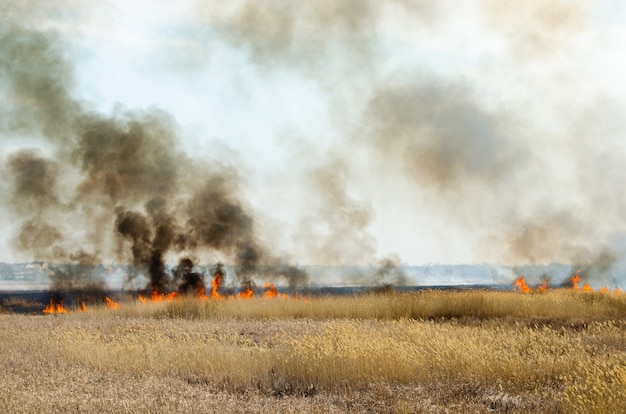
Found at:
[433, 351]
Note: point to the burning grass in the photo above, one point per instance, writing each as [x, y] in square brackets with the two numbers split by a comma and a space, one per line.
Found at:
[479, 351]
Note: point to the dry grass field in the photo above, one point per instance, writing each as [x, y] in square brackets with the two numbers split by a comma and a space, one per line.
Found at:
[559, 351]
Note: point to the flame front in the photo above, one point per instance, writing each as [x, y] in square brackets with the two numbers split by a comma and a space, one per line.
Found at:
[520, 283]
[215, 284]
[245, 294]
[201, 293]
[271, 291]
[111, 304]
[53, 308]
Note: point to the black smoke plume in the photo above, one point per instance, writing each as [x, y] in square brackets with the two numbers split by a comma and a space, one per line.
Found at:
[116, 185]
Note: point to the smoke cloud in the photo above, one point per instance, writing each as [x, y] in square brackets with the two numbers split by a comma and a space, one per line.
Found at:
[309, 36]
[478, 114]
[128, 174]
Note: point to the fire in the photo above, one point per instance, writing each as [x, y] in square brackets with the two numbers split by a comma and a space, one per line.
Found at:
[575, 280]
[53, 308]
[157, 297]
[245, 294]
[215, 284]
[200, 293]
[520, 282]
[82, 307]
[111, 304]
[271, 291]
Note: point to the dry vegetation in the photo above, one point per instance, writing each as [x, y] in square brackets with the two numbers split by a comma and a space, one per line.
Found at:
[559, 351]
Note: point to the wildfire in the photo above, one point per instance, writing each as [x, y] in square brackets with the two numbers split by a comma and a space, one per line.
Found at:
[82, 307]
[111, 304]
[520, 283]
[575, 279]
[271, 291]
[157, 297]
[245, 294]
[53, 308]
[215, 284]
[200, 293]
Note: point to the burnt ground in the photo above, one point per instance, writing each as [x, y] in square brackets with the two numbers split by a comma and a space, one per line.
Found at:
[34, 301]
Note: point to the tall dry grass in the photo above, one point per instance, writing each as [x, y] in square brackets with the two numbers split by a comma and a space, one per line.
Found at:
[431, 304]
[434, 351]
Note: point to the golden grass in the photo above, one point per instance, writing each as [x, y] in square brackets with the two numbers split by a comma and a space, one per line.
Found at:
[460, 351]
[430, 304]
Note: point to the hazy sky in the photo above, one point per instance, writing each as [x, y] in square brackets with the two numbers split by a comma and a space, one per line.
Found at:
[433, 132]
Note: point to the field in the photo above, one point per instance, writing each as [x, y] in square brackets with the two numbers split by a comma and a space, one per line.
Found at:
[559, 351]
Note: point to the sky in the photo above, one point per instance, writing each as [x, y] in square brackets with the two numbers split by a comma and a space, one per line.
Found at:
[333, 132]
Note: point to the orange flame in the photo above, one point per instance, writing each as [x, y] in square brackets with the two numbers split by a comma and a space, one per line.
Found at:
[155, 297]
[587, 288]
[575, 279]
[271, 291]
[82, 307]
[215, 284]
[520, 283]
[200, 293]
[53, 308]
[142, 299]
[245, 294]
[111, 304]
